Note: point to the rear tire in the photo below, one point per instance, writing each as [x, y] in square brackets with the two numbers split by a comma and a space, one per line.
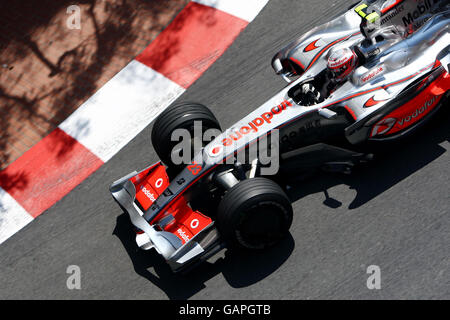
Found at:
[179, 116]
[255, 214]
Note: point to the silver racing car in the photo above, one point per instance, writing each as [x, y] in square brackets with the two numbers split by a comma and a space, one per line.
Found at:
[376, 72]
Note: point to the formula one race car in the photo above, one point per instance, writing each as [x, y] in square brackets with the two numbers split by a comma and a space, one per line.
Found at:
[374, 73]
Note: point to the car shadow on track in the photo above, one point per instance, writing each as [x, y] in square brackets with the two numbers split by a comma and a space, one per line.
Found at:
[393, 162]
[240, 269]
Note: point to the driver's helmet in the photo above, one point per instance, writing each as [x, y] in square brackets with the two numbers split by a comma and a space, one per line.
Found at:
[341, 63]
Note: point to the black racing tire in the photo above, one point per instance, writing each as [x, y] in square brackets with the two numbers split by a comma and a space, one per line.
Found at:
[179, 116]
[255, 214]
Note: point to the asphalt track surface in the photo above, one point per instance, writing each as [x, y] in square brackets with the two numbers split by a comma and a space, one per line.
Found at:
[392, 213]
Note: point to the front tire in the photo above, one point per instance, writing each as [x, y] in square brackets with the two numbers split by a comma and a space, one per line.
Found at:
[179, 116]
[255, 214]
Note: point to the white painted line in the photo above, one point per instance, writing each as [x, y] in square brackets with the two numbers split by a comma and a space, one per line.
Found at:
[244, 9]
[121, 109]
[12, 216]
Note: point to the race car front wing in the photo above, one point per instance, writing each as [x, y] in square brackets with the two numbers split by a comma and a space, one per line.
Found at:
[170, 234]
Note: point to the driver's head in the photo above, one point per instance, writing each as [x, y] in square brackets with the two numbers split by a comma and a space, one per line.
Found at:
[341, 63]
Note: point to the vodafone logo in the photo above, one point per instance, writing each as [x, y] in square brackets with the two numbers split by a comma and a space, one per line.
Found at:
[195, 223]
[383, 126]
[149, 195]
[183, 235]
[236, 134]
[216, 151]
[334, 63]
[159, 183]
[253, 126]
[372, 74]
[402, 121]
[418, 112]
